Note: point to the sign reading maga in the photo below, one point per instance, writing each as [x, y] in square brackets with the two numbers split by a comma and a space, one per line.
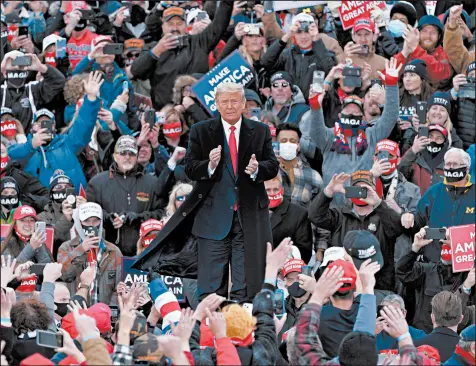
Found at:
[462, 247]
[233, 69]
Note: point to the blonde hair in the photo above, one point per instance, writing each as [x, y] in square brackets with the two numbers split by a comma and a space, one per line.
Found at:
[239, 323]
[247, 56]
[448, 125]
[185, 188]
[74, 89]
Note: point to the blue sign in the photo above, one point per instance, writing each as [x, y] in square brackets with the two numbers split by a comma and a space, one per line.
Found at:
[61, 48]
[130, 275]
[234, 69]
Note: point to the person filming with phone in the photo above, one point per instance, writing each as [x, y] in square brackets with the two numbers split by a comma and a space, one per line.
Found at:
[24, 241]
[89, 246]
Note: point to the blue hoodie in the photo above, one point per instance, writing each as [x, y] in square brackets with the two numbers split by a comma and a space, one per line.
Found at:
[61, 152]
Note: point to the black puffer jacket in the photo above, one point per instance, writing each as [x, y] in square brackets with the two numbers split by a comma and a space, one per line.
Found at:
[193, 58]
[300, 66]
[134, 192]
[464, 124]
[387, 45]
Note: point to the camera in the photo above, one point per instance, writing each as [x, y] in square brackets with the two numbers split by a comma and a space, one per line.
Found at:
[182, 41]
[304, 27]
[468, 90]
[251, 29]
[352, 76]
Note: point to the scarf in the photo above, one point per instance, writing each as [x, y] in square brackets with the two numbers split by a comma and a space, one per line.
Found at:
[341, 144]
[392, 187]
[341, 94]
[22, 237]
[466, 355]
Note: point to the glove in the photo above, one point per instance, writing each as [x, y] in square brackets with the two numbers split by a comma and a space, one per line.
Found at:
[131, 217]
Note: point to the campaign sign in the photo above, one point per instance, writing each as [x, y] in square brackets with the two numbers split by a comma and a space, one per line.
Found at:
[130, 275]
[462, 247]
[284, 5]
[351, 11]
[234, 69]
[50, 235]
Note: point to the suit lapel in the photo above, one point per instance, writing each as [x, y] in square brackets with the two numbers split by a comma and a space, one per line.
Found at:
[277, 216]
[217, 133]
[246, 136]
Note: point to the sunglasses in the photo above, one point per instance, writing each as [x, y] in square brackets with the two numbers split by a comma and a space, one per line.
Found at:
[132, 55]
[281, 85]
[181, 198]
[127, 153]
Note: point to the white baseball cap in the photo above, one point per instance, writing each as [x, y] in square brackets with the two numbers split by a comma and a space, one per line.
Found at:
[51, 39]
[303, 17]
[332, 254]
[89, 209]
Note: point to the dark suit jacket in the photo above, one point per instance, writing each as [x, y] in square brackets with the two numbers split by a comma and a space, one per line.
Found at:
[290, 220]
[172, 253]
[443, 339]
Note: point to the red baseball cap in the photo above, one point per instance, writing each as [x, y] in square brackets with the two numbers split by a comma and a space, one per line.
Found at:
[364, 23]
[72, 5]
[100, 39]
[441, 129]
[388, 145]
[36, 359]
[24, 211]
[431, 352]
[292, 265]
[350, 275]
[28, 284]
[150, 225]
[100, 312]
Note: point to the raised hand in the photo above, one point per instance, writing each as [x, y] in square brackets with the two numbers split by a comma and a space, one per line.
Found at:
[380, 167]
[167, 42]
[455, 15]
[179, 154]
[252, 165]
[217, 323]
[276, 258]
[395, 322]
[211, 302]
[336, 185]
[459, 80]
[420, 241]
[407, 220]
[420, 143]
[52, 272]
[8, 269]
[184, 328]
[391, 68]
[215, 156]
[89, 274]
[93, 85]
[328, 284]
[367, 272]
[40, 138]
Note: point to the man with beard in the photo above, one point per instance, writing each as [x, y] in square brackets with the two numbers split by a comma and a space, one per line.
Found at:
[24, 98]
[115, 79]
[178, 53]
[424, 43]
[59, 212]
[431, 278]
[45, 151]
[423, 163]
[448, 203]
[127, 195]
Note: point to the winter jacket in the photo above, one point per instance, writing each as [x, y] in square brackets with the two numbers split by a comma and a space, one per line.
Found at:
[444, 205]
[32, 192]
[383, 222]
[132, 193]
[40, 255]
[292, 315]
[464, 124]
[332, 105]
[162, 71]
[61, 152]
[33, 96]
[323, 137]
[387, 45]
[263, 350]
[300, 64]
[437, 62]
[111, 89]
[53, 216]
[75, 260]
[458, 360]
[429, 279]
[458, 54]
[423, 170]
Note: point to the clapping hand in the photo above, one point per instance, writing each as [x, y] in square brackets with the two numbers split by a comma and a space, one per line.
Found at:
[211, 302]
[215, 156]
[252, 165]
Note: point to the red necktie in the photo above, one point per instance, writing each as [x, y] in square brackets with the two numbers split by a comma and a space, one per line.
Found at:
[233, 155]
[233, 148]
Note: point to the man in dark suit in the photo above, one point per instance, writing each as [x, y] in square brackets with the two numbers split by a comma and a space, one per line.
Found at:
[288, 220]
[446, 314]
[232, 225]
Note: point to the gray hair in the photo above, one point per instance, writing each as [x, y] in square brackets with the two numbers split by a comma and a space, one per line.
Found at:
[465, 345]
[394, 299]
[270, 117]
[463, 155]
[229, 87]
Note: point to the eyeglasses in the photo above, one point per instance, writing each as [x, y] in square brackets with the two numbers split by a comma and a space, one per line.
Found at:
[280, 85]
[181, 198]
[127, 153]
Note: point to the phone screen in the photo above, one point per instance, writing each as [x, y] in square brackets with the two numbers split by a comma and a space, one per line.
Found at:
[318, 81]
[279, 308]
[306, 270]
[40, 226]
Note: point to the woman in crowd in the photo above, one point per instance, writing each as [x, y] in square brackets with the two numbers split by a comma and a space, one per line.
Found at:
[177, 197]
[174, 131]
[10, 199]
[186, 102]
[22, 241]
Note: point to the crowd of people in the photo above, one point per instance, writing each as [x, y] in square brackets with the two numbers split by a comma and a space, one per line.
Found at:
[368, 135]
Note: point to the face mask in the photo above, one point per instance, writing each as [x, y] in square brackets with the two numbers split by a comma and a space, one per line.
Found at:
[146, 240]
[9, 202]
[4, 163]
[16, 79]
[350, 121]
[288, 150]
[455, 175]
[137, 15]
[50, 58]
[58, 196]
[446, 253]
[62, 309]
[434, 148]
[296, 291]
[82, 24]
[276, 200]
[396, 28]
[9, 128]
[173, 130]
[358, 202]
[393, 163]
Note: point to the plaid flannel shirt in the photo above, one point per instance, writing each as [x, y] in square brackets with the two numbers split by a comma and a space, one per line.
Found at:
[306, 180]
[122, 355]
